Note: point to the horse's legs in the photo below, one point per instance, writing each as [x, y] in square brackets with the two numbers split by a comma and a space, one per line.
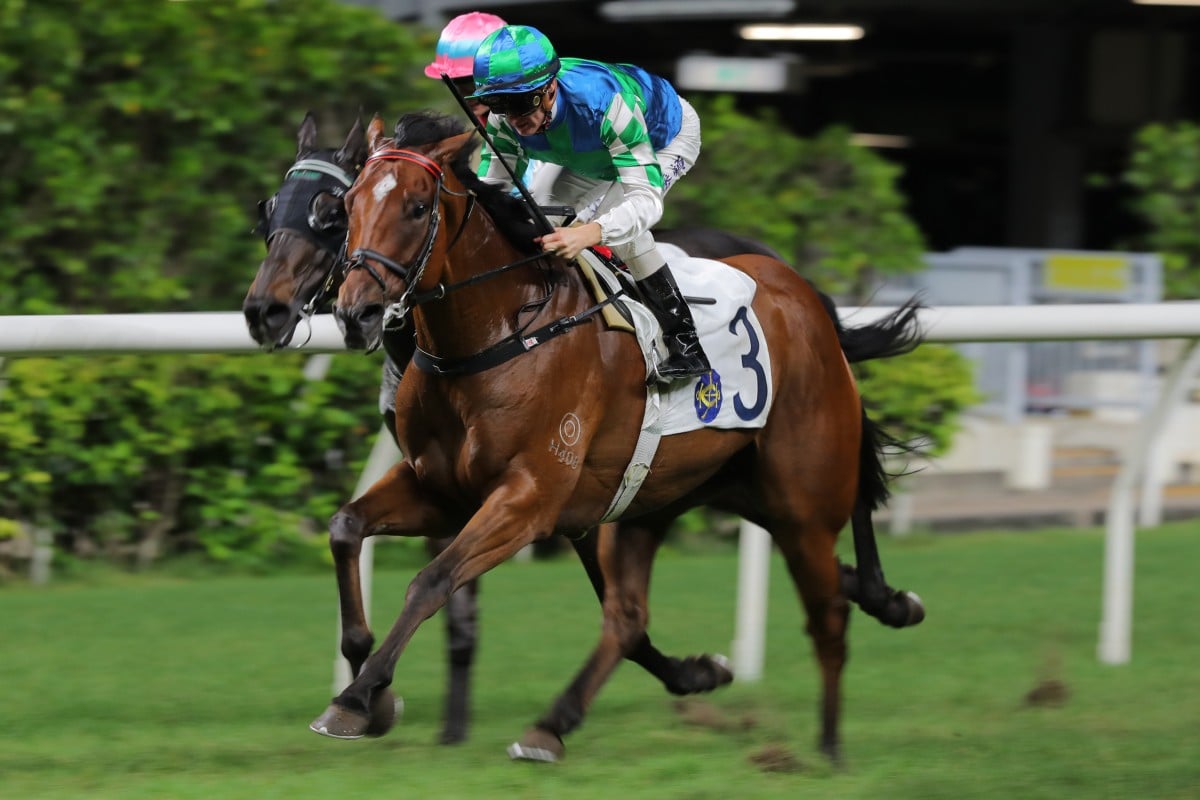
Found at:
[680, 676]
[462, 634]
[808, 551]
[866, 585]
[625, 558]
[350, 525]
[511, 517]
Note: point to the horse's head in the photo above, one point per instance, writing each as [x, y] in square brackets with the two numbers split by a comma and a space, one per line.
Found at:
[304, 225]
[397, 243]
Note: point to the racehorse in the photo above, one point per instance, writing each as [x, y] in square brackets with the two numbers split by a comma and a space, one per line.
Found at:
[304, 227]
[425, 235]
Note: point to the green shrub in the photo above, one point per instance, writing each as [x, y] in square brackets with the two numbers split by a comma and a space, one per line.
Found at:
[1164, 172]
[238, 457]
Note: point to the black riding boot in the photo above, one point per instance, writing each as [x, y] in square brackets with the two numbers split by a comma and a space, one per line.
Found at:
[686, 358]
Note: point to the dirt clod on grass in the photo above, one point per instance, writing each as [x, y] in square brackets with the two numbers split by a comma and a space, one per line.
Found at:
[706, 715]
[775, 758]
[1048, 694]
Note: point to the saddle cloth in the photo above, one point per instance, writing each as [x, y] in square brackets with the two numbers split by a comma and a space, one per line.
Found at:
[738, 392]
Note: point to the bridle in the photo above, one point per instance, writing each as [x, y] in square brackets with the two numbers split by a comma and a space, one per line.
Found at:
[411, 273]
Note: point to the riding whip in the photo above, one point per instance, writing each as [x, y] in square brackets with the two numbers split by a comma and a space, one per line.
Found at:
[538, 216]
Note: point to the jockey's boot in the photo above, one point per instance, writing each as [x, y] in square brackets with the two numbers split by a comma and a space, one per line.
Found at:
[685, 355]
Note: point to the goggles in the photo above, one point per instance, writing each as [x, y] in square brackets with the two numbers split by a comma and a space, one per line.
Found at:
[514, 105]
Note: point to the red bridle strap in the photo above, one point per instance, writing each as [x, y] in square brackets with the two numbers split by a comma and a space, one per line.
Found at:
[431, 166]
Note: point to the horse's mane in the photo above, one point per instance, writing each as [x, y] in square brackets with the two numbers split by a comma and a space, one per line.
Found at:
[510, 213]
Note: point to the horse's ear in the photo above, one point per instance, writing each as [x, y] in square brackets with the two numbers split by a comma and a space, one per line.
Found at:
[445, 150]
[375, 134]
[306, 139]
[354, 151]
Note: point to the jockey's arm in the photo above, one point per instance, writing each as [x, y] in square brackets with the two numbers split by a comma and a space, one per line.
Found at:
[628, 140]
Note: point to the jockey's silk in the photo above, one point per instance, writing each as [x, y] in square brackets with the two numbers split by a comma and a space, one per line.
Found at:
[608, 122]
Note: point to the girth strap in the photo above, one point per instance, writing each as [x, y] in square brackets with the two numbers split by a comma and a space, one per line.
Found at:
[506, 349]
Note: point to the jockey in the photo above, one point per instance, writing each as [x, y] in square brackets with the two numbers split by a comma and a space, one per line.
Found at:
[455, 56]
[622, 136]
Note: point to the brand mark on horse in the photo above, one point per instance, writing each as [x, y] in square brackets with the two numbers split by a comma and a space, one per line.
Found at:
[569, 429]
[565, 456]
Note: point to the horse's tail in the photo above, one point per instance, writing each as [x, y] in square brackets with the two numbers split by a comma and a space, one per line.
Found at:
[894, 335]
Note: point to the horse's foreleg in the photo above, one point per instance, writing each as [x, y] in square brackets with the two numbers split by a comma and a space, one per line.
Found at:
[367, 516]
[808, 552]
[679, 676]
[625, 558]
[462, 634]
[507, 521]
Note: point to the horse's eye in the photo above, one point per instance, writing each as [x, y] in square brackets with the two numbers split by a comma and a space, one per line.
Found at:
[266, 208]
[419, 210]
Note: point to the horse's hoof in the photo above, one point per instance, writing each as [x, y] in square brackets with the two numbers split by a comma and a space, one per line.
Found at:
[385, 709]
[453, 736]
[916, 609]
[724, 669]
[341, 723]
[537, 745]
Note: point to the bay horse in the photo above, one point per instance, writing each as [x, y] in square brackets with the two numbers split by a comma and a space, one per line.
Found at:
[424, 232]
[304, 228]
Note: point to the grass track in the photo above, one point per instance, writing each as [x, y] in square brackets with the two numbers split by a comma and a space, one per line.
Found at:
[152, 687]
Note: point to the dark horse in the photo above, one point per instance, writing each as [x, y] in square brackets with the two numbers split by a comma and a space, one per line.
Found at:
[304, 226]
[424, 233]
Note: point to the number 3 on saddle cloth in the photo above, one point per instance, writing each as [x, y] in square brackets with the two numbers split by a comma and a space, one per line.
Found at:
[736, 393]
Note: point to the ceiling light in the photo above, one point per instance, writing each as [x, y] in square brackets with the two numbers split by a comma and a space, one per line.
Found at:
[1167, 2]
[801, 33]
[644, 10]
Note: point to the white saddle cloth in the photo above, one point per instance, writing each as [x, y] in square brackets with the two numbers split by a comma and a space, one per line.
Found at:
[736, 393]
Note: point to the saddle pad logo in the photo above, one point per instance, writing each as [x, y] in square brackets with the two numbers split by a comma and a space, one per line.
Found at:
[708, 396]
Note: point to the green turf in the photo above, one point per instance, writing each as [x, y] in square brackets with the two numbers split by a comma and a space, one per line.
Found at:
[152, 687]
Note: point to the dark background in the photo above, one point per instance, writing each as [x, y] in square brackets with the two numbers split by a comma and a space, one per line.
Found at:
[1011, 107]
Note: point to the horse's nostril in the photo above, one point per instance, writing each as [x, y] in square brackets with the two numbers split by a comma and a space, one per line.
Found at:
[371, 314]
[277, 315]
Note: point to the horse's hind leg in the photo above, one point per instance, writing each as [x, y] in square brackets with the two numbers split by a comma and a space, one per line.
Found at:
[679, 676]
[866, 585]
[625, 558]
[462, 634]
[809, 555]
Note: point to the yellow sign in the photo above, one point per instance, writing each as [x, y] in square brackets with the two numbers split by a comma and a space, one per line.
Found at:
[1088, 272]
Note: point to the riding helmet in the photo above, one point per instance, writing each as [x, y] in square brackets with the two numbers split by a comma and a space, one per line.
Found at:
[513, 60]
